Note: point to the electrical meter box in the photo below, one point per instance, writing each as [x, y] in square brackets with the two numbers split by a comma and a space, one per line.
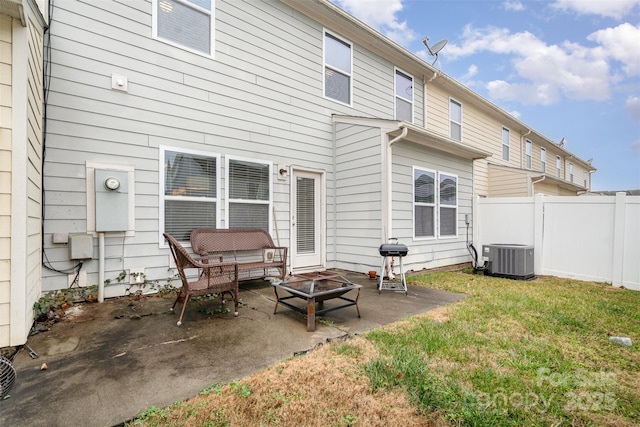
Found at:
[112, 200]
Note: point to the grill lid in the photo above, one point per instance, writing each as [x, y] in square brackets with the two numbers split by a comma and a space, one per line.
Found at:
[393, 249]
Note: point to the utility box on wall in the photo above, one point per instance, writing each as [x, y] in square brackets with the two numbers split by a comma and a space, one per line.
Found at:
[112, 200]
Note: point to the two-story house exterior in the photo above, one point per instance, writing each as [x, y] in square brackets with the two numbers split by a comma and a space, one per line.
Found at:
[289, 115]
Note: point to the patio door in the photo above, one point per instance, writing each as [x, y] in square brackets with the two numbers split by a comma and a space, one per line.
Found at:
[307, 217]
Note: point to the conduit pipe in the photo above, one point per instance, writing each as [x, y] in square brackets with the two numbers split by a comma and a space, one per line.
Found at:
[100, 267]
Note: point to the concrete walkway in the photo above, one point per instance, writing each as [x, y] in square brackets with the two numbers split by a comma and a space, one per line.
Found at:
[108, 362]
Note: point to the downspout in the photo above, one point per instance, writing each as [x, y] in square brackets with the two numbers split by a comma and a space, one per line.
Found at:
[533, 183]
[522, 148]
[386, 196]
[388, 183]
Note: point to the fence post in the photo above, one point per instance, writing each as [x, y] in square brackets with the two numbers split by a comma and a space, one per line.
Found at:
[618, 239]
[538, 234]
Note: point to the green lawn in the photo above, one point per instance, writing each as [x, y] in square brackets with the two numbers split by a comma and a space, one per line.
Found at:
[513, 353]
[519, 353]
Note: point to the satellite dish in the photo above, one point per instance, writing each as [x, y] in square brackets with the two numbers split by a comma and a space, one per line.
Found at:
[433, 50]
[561, 144]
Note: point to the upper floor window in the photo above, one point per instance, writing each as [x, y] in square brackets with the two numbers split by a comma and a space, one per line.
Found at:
[189, 184]
[337, 68]
[584, 179]
[248, 193]
[558, 167]
[570, 172]
[527, 154]
[185, 23]
[455, 119]
[404, 96]
[543, 160]
[505, 143]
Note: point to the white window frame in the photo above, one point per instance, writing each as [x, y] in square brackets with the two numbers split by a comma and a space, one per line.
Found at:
[528, 154]
[453, 207]
[229, 200]
[558, 167]
[433, 205]
[189, 4]
[543, 159]
[584, 178]
[436, 205]
[452, 122]
[161, 188]
[505, 143]
[349, 74]
[397, 71]
[570, 172]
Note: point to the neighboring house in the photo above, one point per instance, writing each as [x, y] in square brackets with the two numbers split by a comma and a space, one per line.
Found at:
[288, 115]
[21, 40]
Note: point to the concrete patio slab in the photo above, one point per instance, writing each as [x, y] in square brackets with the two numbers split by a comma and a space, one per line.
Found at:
[107, 362]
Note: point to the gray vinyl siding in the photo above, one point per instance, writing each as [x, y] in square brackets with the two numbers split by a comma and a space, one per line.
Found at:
[358, 195]
[436, 252]
[258, 97]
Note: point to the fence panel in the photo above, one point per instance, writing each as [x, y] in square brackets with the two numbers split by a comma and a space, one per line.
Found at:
[593, 238]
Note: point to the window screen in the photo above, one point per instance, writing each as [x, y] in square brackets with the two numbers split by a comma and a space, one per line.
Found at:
[337, 72]
[404, 97]
[455, 115]
[424, 203]
[189, 192]
[187, 23]
[249, 194]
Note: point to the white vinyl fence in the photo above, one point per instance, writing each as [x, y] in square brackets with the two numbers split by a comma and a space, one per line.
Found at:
[594, 238]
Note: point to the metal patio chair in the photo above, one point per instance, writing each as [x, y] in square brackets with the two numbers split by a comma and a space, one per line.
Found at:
[211, 278]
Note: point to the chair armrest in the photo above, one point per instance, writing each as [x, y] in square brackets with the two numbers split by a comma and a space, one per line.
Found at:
[219, 273]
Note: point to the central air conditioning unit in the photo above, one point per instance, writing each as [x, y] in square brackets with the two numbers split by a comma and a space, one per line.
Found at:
[510, 261]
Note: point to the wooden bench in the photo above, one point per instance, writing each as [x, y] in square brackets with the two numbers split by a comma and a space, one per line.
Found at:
[251, 248]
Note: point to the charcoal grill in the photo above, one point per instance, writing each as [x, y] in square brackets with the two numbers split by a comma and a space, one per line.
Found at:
[393, 249]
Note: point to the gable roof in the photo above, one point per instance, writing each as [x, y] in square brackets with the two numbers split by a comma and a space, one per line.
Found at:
[418, 135]
[338, 20]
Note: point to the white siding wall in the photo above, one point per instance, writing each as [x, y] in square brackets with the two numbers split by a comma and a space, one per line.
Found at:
[260, 97]
[430, 253]
[21, 112]
[6, 125]
[358, 192]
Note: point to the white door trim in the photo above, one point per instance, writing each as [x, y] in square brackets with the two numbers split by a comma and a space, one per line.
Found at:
[298, 266]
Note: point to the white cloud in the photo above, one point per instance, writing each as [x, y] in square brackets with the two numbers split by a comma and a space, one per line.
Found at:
[633, 107]
[514, 5]
[621, 43]
[549, 72]
[613, 8]
[382, 16]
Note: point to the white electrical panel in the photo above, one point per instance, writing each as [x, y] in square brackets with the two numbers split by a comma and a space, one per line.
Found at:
[112, 200]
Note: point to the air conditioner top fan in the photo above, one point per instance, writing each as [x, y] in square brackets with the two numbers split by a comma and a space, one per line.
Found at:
[7, 376]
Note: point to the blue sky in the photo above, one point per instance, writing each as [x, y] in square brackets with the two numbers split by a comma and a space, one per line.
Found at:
[568, 68]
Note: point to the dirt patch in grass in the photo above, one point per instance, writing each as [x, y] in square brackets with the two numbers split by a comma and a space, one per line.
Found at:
[326, 387]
